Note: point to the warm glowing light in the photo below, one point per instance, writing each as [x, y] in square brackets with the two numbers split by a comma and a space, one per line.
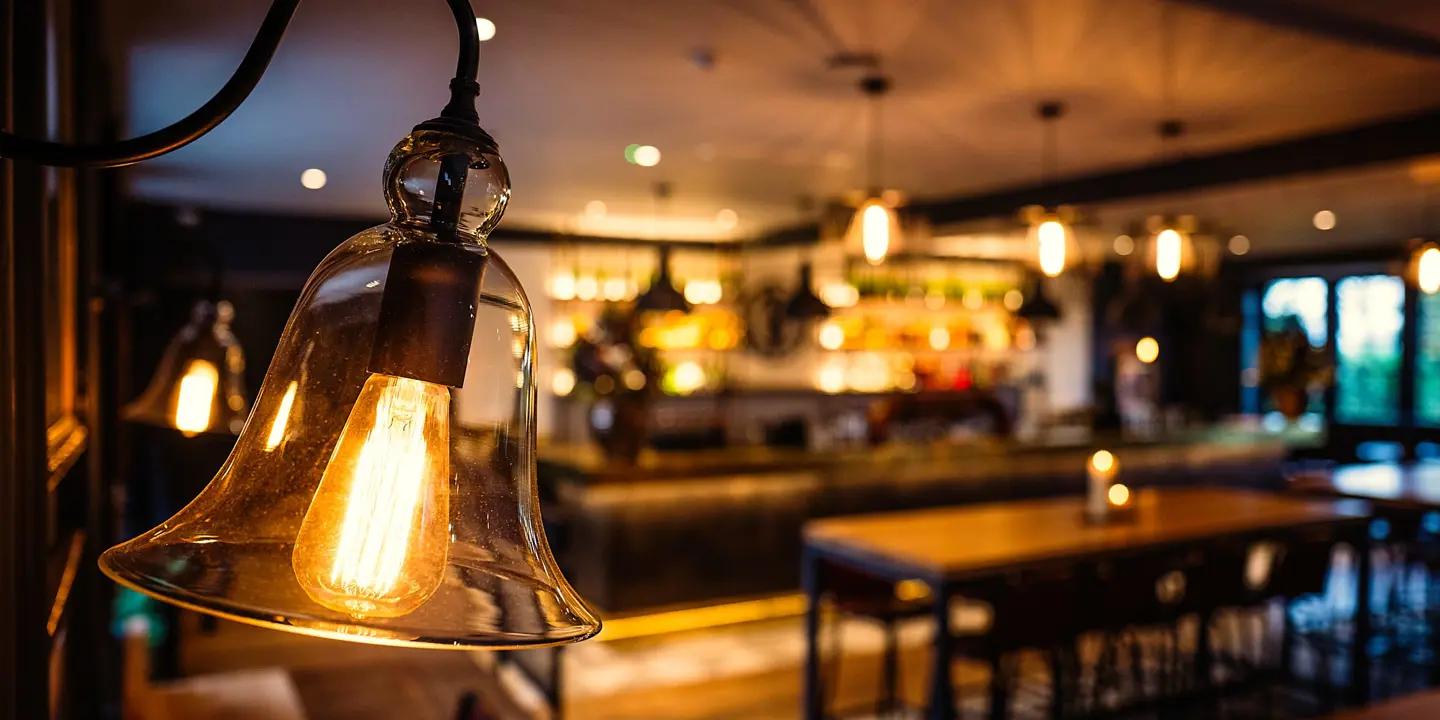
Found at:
[1167, 254]
[934, 299]
[973, 299]
[1118, 494]
[1103, 461]
[703, 292]
[939, 338]
[562, 333]
[375, 540]
[832, 336]
[1124, 245]
[1025, 338]
[840, 294]
[1239, 245]
[587, 287]
[1051, 236]
[1013, 300]
[282, 417]
[596, 209]
[726, 219]
[613, 289]
[486, 28]
[1147, 350]
[1324, 220]
[562, 286]
[562, 382]
[875, 221]
[687, 377]
[831, 379]
[313, 179]
[634, 379]
[195, 396]
[647, 156]
[1428, 270]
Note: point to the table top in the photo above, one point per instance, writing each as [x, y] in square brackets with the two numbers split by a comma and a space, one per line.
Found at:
[1408, 484]
[1420, 705]
[947, 544]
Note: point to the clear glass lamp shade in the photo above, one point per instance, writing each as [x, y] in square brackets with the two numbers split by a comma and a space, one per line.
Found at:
[371, 505]
[199, 385]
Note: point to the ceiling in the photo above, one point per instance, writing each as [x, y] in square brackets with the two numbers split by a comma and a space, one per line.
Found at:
[569, 83]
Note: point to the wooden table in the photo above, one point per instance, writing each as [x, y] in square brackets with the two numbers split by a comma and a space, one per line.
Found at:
[1422, 705]
[947, 548]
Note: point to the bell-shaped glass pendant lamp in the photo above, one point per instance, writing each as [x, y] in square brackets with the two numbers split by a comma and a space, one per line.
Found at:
[369, 497]
[199, 386]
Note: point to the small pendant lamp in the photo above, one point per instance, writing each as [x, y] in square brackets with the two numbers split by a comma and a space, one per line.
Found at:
[875, 229]
[199, 386]
[381, 516]
[1051, 233]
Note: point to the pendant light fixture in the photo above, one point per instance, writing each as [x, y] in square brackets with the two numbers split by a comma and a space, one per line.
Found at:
[875, 228]
[199, 385]
[1051, 234]
[379, 517]
[1425, 255]
[1178, 247]
[662, 295]
[804, 305]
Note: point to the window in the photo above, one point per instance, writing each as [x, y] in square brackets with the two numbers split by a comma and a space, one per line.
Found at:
[1427, 361]
[1371, 313]
[1302, 299]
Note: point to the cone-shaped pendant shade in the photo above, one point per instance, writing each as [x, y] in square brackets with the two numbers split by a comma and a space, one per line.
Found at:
[369, 497]
[199, 385]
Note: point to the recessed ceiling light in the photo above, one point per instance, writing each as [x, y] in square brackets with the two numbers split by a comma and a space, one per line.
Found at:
[727, 219]
[313, 179]
[1124, 245]
[647, 156]
[1324, 220]
[595, 209]
[1239, 245]
[486, 28]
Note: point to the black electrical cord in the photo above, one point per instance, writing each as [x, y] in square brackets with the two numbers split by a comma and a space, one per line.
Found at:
[463, 91]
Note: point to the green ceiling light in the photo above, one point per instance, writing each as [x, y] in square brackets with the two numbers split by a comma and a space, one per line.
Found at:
[352, 507]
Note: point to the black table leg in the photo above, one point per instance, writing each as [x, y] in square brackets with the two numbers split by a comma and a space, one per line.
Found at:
[1360, 643]
[942, 695]
[810, 579]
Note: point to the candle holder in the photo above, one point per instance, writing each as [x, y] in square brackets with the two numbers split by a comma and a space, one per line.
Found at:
[1107, 501]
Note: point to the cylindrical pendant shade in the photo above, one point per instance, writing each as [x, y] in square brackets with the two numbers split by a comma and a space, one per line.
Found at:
[363, 505]
[199, 384]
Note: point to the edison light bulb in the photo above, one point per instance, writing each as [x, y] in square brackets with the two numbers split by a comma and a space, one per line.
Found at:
[1429, 270]
[375, 540]
[875, 232]
[1052, 247]
[1167, 254]
[194, 396]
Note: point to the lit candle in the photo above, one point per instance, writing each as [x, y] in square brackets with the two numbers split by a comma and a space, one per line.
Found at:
[1102, 469]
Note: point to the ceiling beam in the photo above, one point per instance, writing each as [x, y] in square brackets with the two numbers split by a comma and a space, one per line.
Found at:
[1319, 20]
[1391, 140]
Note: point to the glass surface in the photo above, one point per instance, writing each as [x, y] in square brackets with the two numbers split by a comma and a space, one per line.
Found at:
[369, 507]
[1371, 315]
[199, 384]
[1427, 361]
[1307, 300]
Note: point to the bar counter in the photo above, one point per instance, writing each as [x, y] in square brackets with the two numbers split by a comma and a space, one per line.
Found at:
[692, 527]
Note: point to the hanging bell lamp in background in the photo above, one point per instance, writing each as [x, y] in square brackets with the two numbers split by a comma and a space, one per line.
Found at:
[662, 295]
[199, 385]
[379, 517]
[804, 304]
[1051, 235]
[1176, 248]
[875, 229]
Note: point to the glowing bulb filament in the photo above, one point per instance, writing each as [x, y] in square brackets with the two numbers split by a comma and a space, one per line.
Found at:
[375, 540]
[195, 396]
[1052, 247]
[1429, 270]
[875, 232]
[282, 417]
[1167, 254]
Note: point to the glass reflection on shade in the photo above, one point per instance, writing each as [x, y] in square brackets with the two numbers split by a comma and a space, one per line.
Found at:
[282, 417]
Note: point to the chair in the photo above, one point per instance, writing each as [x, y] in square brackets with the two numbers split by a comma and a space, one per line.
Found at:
[856, 594]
